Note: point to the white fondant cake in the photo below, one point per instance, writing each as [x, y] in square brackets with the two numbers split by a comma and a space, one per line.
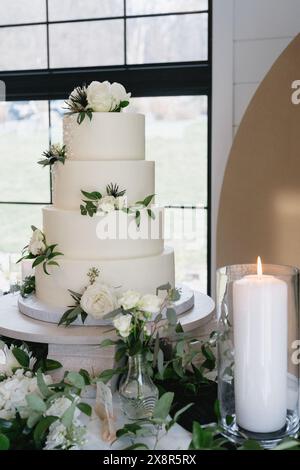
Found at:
[109, 148]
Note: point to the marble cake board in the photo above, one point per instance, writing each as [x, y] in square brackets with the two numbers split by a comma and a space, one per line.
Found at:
[77, 347]
[34, 308]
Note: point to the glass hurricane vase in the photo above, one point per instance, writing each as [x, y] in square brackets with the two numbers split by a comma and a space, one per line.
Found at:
[137, 391]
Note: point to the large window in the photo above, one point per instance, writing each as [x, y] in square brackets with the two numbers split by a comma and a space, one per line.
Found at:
[161, 51]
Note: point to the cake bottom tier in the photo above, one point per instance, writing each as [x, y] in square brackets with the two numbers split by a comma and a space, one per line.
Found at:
[141, 274]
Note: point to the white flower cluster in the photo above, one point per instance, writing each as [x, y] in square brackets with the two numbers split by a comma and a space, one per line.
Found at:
[110, 203]
[13, 391]
[142, 305]
[106, 96]
[10, 363]
[100, 299]
[37, 244]
[60, 436]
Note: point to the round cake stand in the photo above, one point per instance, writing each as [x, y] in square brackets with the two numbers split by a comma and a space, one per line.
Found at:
[77, 347]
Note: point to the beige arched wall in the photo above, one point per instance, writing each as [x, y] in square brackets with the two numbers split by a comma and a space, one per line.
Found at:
[259, 210]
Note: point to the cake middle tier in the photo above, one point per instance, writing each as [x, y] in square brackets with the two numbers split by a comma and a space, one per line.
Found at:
[135, 176]
[105, 236]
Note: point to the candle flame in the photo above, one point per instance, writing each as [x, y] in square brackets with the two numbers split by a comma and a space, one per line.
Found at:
[259, 266]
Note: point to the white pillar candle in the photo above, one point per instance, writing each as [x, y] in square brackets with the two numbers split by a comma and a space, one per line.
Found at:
[260, 350]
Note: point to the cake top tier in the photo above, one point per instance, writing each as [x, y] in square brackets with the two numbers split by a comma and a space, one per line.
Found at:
[95, 128]
[107, 136]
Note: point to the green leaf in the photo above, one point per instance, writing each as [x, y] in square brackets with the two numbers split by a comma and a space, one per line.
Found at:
[85, 408]
[229, 420]
[36, 403]
[4, 442]
[108, 374]
[124, 103]
[75, 379]
[138, 218]
[107, 342]
[160, 363]
[151, 214]
[22, 357]
[94, 195]
[163, 406]
[68, 416]
[250, 444]
[217, 409]
[41, 429]
[40, 259]
[171, 316]
[166, 287]
[129, 429]
[137, 446]
[147, 200]
[51, 364]
[180, 348]
[182, 410]
[44, 389]
[86, 376]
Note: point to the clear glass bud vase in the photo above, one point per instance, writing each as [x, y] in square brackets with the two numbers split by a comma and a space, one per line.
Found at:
[137, 391]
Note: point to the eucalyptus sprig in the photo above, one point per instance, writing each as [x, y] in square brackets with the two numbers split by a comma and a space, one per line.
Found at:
[56, 153]
[39, 251]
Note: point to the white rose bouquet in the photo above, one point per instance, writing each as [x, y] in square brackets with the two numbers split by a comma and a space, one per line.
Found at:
[98, 97]
[39, 251]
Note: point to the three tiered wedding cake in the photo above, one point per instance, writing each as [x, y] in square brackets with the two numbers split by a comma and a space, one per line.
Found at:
[102, 218]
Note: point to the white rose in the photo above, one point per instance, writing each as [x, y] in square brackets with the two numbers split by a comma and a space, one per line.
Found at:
[37, 243]
[59, 406]
[150, 303]
[98, 300]
[119, 94]
[122, 323]
[99, 96]
[121, 202]
[129, 299]
[107, 204]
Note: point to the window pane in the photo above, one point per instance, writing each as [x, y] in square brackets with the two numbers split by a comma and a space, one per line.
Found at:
[176, 139]
[172, 38]
[186, 232]
[142, 7]
[57, 113]
[15, 230]
[82, 9]
[23, 47]
[22, 11]
[23, 138]
[86, 44]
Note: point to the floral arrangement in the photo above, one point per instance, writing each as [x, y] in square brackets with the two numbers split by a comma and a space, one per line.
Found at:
[97, 97]
[131, 319]
[56, 153]
[95, 203]
[97, 300]
[35, 413]
[40, 251]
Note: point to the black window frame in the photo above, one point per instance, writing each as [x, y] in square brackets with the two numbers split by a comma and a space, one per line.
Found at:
[146, 80]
